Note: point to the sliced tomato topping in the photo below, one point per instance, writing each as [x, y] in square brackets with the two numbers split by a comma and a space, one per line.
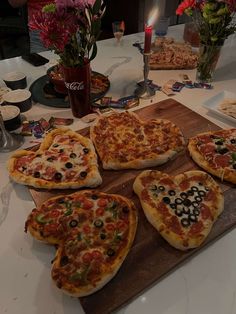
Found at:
[97, 255]
[51, 228]
[87, 258]
[87, 204]
[121, 225]
[102, 202]
[86, 229]
[222, 160]
[110, 227]
[100, 211]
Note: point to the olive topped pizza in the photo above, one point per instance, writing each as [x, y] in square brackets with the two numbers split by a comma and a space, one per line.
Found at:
[94, 232]
[215, 151]
[65, 159]
[182, 208]
[123, 141]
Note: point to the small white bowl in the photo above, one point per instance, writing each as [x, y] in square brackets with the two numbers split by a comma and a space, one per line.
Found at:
[11, 117]
[15, 80]
[20, 98]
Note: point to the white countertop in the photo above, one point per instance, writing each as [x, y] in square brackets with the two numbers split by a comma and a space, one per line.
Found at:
[205, 284]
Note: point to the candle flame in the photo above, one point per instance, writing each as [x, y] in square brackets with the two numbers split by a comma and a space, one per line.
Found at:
[152, 17]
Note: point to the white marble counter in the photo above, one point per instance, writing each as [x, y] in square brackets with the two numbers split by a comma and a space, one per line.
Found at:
[205, 284]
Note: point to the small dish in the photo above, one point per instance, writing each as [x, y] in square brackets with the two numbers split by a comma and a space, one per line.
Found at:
[3, 90]
[11, 117]
[15, 80]
[20, 98]
[212, 104]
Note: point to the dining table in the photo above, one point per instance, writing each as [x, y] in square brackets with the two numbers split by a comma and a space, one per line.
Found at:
[204, 283]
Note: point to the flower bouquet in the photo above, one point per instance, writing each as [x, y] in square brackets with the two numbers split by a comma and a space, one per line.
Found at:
[71, 28]
[214, 22]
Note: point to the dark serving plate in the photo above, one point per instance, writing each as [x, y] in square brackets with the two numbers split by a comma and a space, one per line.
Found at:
[53, 99]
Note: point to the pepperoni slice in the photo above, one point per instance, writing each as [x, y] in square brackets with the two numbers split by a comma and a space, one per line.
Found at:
[53, 213]
[222, 161]
[24, 161]
[100, 211]
[97, 255]
[87, 258]
[86, 229]
[87, 204]
[102, 202]
[207, 149]
[110, 227]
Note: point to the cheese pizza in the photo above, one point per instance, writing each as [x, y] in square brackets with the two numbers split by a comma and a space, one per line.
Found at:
[215, 151]
[94, 232]
[123, 141]
[65, 159]
[183, 208]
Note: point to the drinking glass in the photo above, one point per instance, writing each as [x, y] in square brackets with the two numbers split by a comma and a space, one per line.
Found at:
[118, 28]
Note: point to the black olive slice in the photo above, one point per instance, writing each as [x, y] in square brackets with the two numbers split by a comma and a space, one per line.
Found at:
[173, 206]
[83, 174]
[161, 188]
[198, 199]
[190, 193]
[37, 174]
[24, 168]
[94, 197]
[64, 261]
[234, 166]
[73, 223]
[153, 187]
[171, 193]
[185, 222]
[73, 155]
[125, 209]
[186, 210]
[50, 159]
[193, 218]
[98, 223]
[86, 150]
[223, 150]
[194, 188]
[200, 183]
[68, 165]
[38, 155]
[58, 176]
[206, 188]
[103, 236]
[219, 142]
[233, 141]
[187, 202]
[183, 195]
[60, 201]
[196, 211]
[61, 150]
[110, 252]
[55, 145]
[195, 204]
[202, 193]
[178, 201]
[166, 200]
[178, 212]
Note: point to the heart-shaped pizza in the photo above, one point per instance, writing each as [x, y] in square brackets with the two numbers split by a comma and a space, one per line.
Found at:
[215, 152]
[65, 159]
[182, 208]
[94, 232]
[123, 141]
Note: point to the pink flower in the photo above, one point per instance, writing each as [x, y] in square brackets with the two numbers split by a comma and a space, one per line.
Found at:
[186, 4]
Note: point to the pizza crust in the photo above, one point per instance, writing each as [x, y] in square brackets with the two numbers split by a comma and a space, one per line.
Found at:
[92, 179]
[182, 241]
[222, 173]
[108, 268]
[150, 159]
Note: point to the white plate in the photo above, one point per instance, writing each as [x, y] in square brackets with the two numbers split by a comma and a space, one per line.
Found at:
[213, 103]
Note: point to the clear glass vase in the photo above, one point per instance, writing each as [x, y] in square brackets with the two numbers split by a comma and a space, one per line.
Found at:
[208, 58]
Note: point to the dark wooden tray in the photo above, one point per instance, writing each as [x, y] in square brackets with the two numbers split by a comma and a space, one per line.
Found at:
[150, 257]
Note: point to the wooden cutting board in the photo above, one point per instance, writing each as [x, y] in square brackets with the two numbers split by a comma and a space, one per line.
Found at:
[150, 257]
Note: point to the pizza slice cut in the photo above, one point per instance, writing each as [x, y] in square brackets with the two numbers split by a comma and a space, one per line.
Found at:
[182, 208]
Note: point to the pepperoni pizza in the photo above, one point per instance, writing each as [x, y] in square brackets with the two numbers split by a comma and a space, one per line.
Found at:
[123, 141]
[94, 232]
[65, 159]
[182, 208]
[215, 152]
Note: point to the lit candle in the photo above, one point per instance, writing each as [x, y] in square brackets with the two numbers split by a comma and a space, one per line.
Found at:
[148, 38]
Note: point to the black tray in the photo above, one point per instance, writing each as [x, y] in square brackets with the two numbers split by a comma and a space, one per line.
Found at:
[60, 100]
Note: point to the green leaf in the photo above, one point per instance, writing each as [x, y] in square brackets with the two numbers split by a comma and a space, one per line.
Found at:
[94, 52]
[97, 6]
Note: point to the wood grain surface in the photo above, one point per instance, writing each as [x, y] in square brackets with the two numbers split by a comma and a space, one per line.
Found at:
[151, 257]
